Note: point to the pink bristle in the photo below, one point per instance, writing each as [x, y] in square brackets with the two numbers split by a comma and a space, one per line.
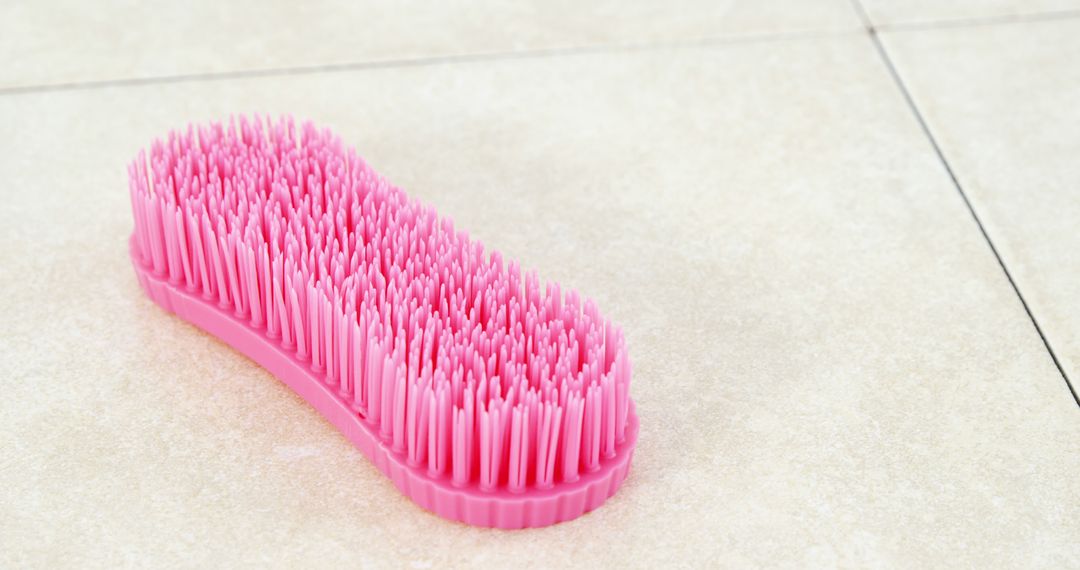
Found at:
[463, 364]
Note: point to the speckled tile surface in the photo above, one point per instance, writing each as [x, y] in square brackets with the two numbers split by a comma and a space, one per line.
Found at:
[830, 368]
[66, 41]
[1001, 100]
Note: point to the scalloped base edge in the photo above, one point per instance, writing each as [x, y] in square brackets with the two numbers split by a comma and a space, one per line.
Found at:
[498, 509]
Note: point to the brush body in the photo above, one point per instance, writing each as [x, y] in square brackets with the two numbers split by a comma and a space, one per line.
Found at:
[484, 398]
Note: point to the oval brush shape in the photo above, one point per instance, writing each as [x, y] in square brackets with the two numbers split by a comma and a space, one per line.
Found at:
[483, 397]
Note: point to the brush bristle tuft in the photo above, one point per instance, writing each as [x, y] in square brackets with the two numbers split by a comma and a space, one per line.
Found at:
[463, 366]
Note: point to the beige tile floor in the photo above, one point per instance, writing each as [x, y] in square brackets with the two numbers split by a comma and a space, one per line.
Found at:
[831, 365]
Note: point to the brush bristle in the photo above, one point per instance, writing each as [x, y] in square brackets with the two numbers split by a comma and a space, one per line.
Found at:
[462, 366]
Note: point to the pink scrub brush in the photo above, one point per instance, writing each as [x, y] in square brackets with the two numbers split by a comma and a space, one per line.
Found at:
[484, 398]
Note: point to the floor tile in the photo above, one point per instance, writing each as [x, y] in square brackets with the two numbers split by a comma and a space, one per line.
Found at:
[64, 41]
[1002, 102]
[888, 12]
[829, 366]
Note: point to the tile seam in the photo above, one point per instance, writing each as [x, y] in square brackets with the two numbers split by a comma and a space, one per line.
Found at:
[910, 101]
[425, 61]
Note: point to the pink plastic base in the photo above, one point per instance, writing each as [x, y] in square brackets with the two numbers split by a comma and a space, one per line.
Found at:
[500, 509]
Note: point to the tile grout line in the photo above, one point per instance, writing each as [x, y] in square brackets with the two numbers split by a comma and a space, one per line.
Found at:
[536, 53]
[978, 21]
[872, 31]
[526, 54]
